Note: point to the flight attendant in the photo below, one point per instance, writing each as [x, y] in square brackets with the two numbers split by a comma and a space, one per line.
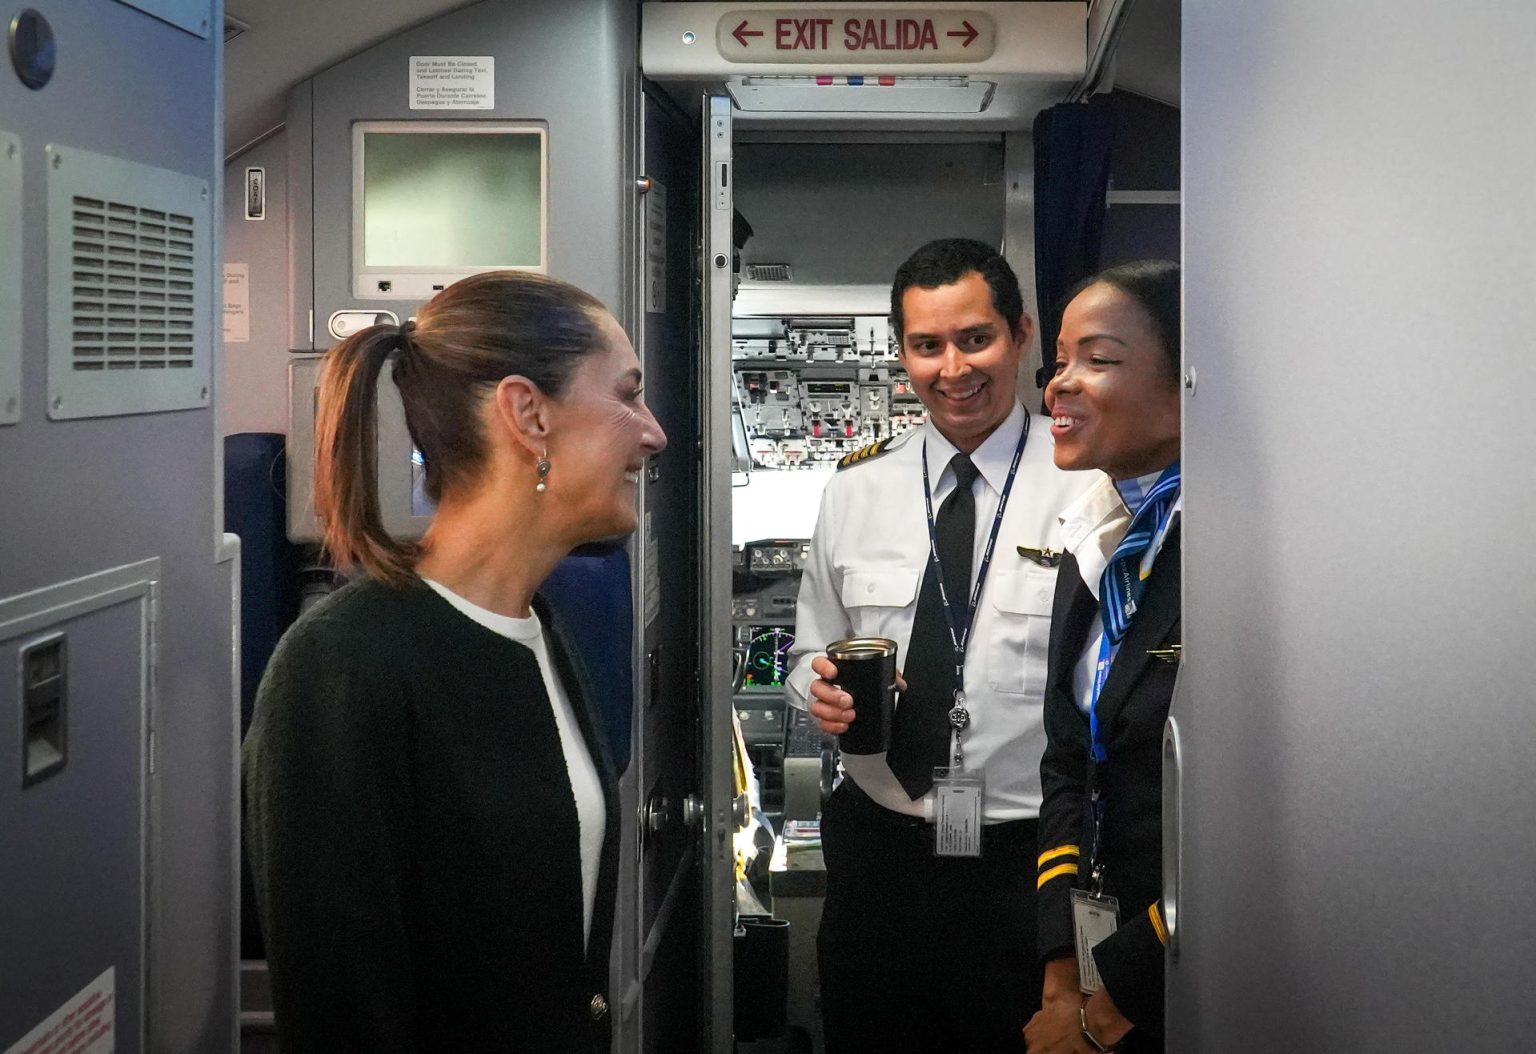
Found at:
[432, 812]
[1115, 640]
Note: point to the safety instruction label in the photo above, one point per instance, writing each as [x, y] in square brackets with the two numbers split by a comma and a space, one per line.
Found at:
[237, 303]
[86, 1024]
[453, 82]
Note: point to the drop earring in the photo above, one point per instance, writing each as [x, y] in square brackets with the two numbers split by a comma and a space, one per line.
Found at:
[543, 469]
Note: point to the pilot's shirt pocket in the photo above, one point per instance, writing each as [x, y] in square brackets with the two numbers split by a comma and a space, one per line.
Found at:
[1019, 636]
[874, 597]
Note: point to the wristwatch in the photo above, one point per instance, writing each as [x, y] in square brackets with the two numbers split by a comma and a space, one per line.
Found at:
[1093, 1041]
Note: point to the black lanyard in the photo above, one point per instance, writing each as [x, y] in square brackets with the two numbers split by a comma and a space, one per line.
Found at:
[960, 634]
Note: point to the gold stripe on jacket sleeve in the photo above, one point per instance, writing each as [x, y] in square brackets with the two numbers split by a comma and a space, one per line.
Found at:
[1057, 872]
[1157, 922]
[1060, 851]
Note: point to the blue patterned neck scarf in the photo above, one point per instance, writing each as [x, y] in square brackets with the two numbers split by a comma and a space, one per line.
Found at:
[1125, 578]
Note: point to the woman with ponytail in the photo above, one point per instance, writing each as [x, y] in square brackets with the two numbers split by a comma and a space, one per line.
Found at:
[431, 812]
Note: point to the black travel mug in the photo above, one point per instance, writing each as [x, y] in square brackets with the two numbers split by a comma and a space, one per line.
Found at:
[866, 670]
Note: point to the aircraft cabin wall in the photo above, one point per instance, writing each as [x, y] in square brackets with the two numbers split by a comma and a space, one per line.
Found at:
[256, 293]
[118, 808]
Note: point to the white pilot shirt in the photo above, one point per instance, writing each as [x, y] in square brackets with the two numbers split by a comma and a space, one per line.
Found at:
[865, 569]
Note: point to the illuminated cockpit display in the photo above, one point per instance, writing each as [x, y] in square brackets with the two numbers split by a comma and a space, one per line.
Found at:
[767, 662]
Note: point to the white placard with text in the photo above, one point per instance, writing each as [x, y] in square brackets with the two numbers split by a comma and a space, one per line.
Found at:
[453, 82]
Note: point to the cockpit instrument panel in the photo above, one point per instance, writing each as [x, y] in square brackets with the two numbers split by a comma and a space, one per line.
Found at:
[777, 557]
[808, 391]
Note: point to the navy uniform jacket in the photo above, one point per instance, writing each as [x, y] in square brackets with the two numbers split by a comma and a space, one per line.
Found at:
[1132, 712]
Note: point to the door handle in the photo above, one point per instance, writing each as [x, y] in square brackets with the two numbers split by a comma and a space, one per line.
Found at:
[657, 816]
[1173, 832]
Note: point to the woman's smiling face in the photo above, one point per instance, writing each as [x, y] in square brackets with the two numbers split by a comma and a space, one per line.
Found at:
[603, 433]
[1114, 400]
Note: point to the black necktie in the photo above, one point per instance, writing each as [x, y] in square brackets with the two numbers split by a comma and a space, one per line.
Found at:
[920, 732]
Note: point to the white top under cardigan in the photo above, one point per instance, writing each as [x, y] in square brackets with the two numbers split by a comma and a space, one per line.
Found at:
[585, 785]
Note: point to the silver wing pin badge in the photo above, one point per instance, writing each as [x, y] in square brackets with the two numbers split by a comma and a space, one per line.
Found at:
[1043, 557]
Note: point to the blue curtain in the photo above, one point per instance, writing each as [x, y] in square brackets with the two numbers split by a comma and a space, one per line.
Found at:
[1073, 144]
[590, 592]
[256, 508]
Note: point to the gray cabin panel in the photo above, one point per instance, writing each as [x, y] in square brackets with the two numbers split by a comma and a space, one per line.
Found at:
[1355, 710]
[81, 495]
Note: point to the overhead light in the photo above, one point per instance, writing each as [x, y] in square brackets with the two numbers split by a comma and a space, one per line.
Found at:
[859, 93]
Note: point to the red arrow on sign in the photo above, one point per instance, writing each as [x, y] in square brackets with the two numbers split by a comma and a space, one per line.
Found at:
[741, 33]
[970, 33]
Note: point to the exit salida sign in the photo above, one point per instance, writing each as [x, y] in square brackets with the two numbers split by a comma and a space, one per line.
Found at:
[855, 35]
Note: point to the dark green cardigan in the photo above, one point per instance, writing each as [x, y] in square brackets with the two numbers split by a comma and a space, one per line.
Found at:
[414, 840]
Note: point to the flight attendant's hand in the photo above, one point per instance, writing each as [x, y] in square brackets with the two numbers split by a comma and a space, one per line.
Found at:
[1062, 981]
[1058, 1027]
[1055, 1029]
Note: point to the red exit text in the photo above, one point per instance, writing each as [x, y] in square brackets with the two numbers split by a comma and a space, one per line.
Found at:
[858, 34]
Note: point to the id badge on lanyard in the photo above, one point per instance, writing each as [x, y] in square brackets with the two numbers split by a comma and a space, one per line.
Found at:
[957, 819]
[1095, 917]
[959, 793]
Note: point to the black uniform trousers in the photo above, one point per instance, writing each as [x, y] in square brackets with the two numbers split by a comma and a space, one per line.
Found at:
[921, 954]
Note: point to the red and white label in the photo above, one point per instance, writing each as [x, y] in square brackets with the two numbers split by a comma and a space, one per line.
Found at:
[87, 1024]
[855, 35]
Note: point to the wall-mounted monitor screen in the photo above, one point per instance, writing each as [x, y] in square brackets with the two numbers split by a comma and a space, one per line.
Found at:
[433, 201]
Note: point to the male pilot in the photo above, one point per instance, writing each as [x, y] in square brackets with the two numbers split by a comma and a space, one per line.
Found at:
[927, 939]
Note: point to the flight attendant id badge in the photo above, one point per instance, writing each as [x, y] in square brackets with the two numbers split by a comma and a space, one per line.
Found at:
[957, 812]
[1094, 918]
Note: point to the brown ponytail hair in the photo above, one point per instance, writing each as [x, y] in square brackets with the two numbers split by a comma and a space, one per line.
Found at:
[467, 338]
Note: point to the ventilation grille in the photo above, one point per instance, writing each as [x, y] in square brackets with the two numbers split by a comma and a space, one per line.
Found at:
[133, 288]
[776, 272]
[233, 27]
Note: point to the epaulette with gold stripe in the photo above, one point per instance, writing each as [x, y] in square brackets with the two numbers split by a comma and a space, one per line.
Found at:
[869, 453]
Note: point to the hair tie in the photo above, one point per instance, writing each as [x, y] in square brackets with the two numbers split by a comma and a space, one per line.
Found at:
[403, 335]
